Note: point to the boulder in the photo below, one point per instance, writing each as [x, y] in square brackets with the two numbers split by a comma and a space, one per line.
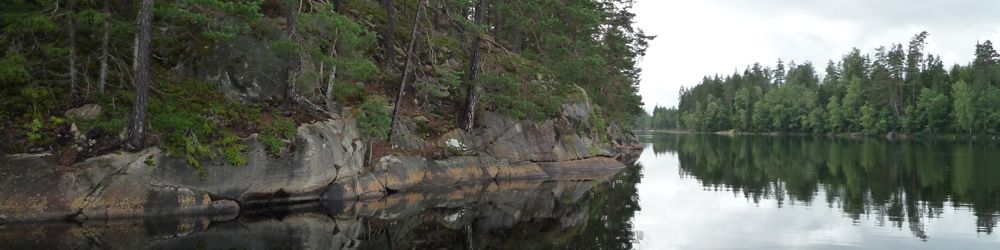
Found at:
[335, 142]
[420, 120]
[459, 142]
[547, 141]
[405, 137]
[85, 112]
[517, 141]
[622, 140]
[577, 112]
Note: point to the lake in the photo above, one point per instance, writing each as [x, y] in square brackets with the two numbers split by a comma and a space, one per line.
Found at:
[765, 192]
[682, 192]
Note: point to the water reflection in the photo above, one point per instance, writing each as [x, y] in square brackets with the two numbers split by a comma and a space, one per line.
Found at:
[684, 192]
[899, 184]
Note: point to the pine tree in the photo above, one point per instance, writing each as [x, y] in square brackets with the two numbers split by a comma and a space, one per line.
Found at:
[471, 88]
[914, 62]
[141, 80]
[779, 73]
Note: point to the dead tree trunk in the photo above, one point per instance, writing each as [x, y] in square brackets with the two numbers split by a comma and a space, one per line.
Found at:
[102, 77]
[472, 89]
[137, 128]
[72, 50]
[294, 63]
[406, 67]
[333, 75]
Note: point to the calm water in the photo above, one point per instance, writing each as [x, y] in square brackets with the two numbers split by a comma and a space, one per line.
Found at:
[682, 192]
[756, 192]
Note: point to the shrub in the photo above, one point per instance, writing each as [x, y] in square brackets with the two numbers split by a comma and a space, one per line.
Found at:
[271, 136]
[373, 119]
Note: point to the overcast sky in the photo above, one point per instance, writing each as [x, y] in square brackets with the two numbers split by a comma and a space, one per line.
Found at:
[707, 37]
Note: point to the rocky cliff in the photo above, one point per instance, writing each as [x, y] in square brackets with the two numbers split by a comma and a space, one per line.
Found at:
[328, 163]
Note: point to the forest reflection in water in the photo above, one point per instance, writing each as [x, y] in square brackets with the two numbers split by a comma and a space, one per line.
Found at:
[902, 184]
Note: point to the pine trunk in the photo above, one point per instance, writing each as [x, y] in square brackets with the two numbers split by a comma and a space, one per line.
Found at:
[141, 78]
[406, 68]
[472, 91]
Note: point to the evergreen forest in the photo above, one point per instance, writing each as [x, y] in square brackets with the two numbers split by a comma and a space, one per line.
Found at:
[895, 89]
[195, 76]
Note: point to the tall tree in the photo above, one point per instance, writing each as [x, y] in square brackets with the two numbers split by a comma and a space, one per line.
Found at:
[914, 62]
[896, 61]
[471, 88]
[983, 66]
[141, 77]
[407, 66]
[779, 73]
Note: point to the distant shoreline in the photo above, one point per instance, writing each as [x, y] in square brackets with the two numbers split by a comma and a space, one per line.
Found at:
[891, 136]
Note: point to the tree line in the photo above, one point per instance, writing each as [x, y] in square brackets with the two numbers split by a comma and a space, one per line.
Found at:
[893, 89]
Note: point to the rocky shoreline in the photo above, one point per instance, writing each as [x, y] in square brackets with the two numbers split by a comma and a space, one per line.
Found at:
[327, 164]
[400, 220]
